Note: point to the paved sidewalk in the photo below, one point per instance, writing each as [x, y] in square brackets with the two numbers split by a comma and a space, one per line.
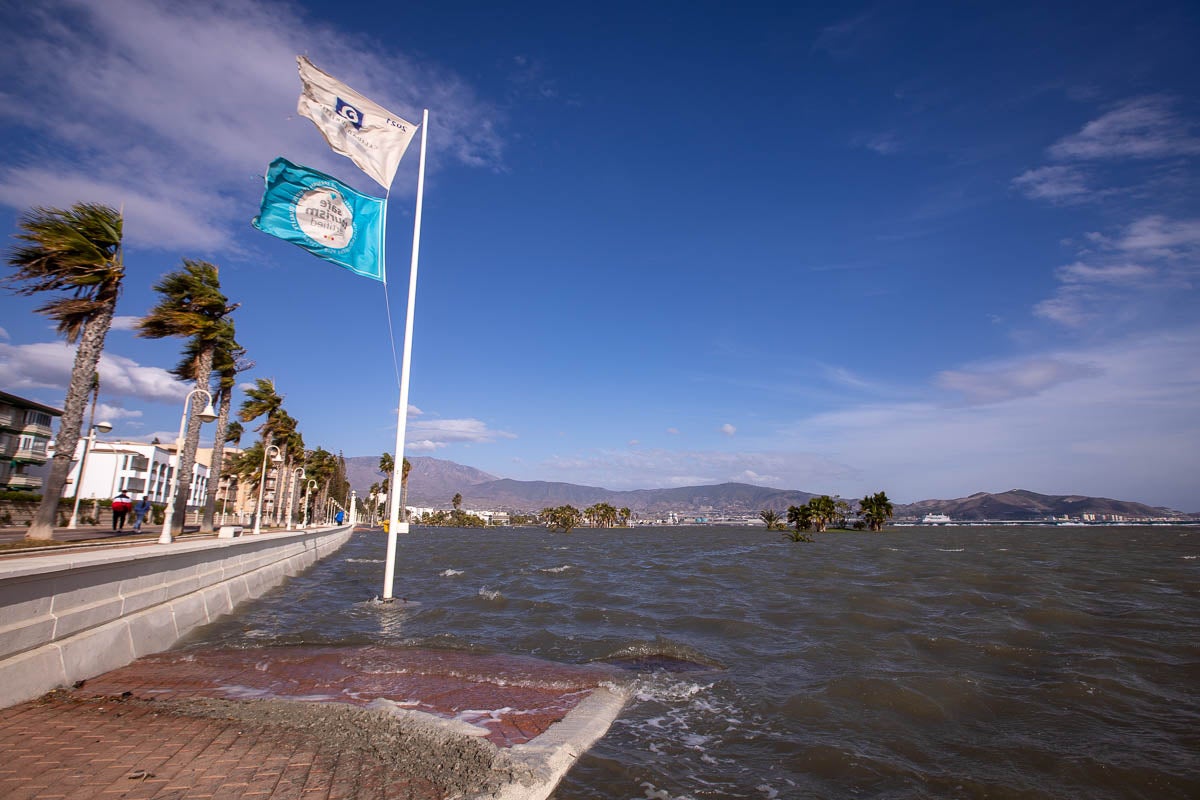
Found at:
[308, 722]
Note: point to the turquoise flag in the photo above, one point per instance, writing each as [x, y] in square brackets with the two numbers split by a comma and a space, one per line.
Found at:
[324, 216]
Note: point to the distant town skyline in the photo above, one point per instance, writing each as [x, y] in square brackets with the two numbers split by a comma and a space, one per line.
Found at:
[927, 249]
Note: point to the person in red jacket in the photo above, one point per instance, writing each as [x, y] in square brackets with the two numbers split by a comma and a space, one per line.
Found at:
[120, 508]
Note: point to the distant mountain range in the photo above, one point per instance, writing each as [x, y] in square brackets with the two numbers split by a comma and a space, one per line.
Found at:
[433, 482]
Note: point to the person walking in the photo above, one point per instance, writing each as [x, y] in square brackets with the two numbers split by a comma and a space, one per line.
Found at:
[140, 510]
[120, 508]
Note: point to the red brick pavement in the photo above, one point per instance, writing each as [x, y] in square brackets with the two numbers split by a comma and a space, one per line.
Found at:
[125, 735]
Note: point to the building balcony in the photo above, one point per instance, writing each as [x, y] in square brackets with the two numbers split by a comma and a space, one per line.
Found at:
[31, 455]
[19, 481]
[34, 429]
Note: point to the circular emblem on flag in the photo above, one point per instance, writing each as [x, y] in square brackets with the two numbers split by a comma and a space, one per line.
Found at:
[324, 217]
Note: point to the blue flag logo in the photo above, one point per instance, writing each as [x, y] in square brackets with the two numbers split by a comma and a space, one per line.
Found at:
[324, 216]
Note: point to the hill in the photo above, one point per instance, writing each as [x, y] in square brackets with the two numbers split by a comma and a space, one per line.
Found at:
[1021, 504]
[434, 481]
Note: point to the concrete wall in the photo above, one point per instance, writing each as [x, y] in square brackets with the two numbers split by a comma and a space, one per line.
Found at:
[70, 616]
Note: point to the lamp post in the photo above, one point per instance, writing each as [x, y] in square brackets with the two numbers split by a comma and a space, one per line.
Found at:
[206, 415]
[297, 476]
[307, 494]
[88, 444]
[262, 482]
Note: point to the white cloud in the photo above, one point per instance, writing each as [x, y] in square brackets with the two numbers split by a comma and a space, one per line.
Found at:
[728, 429]
[432, 434]
[1144, 127]
[125, 323]
[1057, 183]
[47, 365]
[1162, 237]
[200, 96]
[1115, 273]
[4, 335]
[106, 412]
[673, 431]
[993, 383]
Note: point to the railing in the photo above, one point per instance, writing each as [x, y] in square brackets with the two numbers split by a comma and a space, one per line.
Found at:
[31, 454]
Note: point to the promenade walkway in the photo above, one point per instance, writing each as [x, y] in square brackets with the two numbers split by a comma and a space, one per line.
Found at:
[309, 722]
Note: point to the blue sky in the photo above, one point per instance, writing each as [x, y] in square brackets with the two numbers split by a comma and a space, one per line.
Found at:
[839, 248]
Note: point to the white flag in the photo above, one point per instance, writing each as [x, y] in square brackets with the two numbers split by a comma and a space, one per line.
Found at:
[360, 129]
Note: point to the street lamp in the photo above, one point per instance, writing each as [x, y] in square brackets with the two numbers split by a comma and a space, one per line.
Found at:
[297, 476]
[262, 482]
[88, 444]
[307, 494]
[207, 415]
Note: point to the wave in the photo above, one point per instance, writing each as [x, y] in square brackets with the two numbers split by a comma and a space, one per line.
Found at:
[450, 573]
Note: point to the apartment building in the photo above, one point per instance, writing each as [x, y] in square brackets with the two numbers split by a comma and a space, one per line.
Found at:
[135, 467]
[25, 431]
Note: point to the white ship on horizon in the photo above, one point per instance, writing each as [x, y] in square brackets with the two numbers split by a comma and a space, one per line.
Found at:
[935, 519]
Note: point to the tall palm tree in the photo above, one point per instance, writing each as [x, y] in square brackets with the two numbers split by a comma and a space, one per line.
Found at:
[456, 501]
[262, 401]
[405, 468]
[191, 306]
[228, 361]
[76, 252]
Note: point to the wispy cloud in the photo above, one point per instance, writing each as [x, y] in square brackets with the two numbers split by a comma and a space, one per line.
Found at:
[1058, 184]
[728, 430]
[201, 96]
[994, 383]
[125, 323]
[1143, 127]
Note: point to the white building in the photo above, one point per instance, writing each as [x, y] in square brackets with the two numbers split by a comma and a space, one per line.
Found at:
[135, 467]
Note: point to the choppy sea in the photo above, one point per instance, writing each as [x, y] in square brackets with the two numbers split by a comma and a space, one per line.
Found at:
[958, 662]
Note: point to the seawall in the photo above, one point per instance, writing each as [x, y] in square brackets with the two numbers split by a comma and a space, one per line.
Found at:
[71, 616]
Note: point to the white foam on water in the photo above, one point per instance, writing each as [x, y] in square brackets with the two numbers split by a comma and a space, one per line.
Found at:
[654, 793]
[563, 568]
[489, 594]
[364, 560]
[450, 573]
[1189, 558]
[951, 549]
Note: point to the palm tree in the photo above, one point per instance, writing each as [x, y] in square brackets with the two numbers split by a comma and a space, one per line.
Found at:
[770, 518]
[800, 518]
[77, 252]
[456, 501]
[875, 509]
[262, 401]
[192, 307]
[625, 514]
[405, 468]
[823, 510]
[228, 361]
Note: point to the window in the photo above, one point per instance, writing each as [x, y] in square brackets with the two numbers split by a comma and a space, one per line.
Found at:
[37, 418]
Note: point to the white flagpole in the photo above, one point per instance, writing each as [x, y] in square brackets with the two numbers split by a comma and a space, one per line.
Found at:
[395, 526]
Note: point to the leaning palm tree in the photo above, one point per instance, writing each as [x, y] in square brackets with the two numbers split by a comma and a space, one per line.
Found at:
[228, 361]
[77, 252]
[262, 401]
[191, 306]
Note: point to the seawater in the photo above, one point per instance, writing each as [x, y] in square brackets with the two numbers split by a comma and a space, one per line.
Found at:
[972, 662]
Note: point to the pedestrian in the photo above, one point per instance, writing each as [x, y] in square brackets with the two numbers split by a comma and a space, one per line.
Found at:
[120, 507]
[140, 510]
[339, 516]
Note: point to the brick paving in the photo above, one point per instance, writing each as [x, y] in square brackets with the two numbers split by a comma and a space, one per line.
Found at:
[130, 733]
